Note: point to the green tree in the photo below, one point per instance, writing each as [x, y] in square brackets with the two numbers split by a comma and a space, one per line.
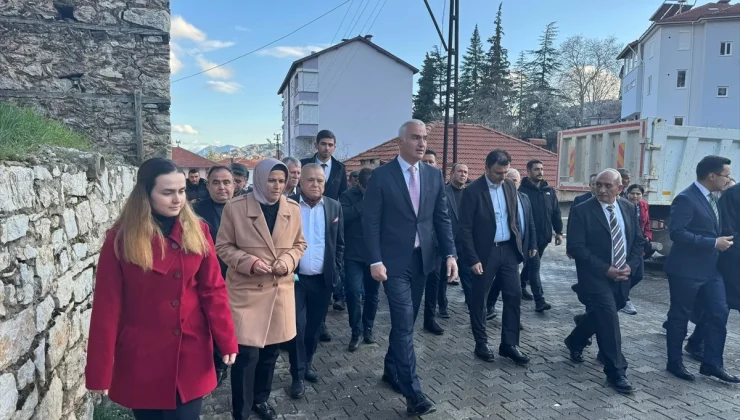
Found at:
[543, 113]
[440, 78]
[212, 155]
[425, 106]
[471, 74]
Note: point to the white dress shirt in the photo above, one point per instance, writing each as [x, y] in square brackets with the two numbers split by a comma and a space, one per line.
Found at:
[704, 191]
[501, 213]
[620, 222]
[314, 230]
[327, 169]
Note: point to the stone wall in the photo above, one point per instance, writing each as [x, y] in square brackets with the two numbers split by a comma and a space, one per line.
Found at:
[53, 218]
[82, 61]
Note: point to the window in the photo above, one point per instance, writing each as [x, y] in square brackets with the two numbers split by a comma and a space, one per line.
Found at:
[721, 91]
[678, 121]
[725, 48]
[681, 79]
[650, 48]
[684, 40]
[650, 85]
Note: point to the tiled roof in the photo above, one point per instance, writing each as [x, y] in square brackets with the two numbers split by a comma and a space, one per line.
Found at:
[187, 159]
[249, 163]
[707, 11]
[474, 142]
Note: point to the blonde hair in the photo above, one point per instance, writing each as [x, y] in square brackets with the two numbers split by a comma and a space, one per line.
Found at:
[136, 227]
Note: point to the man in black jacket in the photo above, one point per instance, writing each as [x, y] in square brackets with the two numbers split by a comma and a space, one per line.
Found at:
[546, 212]
[220, 189]
[356, 271]
[585, 196]
[319, 270]
[195, 188]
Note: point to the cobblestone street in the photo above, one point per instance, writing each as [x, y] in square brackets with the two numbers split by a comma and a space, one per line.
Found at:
[552, 387]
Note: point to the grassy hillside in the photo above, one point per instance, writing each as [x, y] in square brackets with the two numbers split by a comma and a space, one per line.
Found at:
[23, 133]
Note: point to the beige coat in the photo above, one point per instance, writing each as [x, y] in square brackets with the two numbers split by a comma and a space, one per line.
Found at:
[263, 306]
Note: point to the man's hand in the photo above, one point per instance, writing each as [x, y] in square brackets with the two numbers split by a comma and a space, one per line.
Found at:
[558, 239]
[378, 272]
[723, 242]
[451, 269]
[618, 275]
[477, 269]
[279, 268]
[229, 359]
[532, 253]
[261, 268]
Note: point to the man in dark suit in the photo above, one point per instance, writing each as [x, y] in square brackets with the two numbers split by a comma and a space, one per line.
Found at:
[529, 241]
[336, 184]
[491, 245]
[195, 187]
[356, 271]
[220, 184]
[319, 270]
[292, 186]
[432, 287]
[584, 197]
[606, 242]
[692, 269]
[404, 208]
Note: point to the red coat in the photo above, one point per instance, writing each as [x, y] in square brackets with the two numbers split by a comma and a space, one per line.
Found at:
[644, 220]
[149, 332]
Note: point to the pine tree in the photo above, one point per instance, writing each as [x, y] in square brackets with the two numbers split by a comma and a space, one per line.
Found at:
[440, 79]
[471, 74]
[520, 91]
[425, 107]
[542, 114]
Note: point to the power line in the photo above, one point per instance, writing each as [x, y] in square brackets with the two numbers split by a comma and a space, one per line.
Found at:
[349, 28]
[358, 19]
[359, 5]
[264, 46]
[341, 23]
[362, 31]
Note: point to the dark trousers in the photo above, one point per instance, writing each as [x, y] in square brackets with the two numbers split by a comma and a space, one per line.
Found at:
[251, 378]
[531, 275]
[311, 295]
[637, 275]
[188, 411]
[357, 278]
[502, 267]
[435, 291]
[404, 299]
[466, 281]
[601, 319]
[710, 294]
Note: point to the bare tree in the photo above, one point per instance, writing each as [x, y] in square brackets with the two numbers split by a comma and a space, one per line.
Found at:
[589, 73]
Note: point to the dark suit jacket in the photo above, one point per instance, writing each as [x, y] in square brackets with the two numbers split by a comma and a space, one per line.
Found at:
[389, 223]
[590, 244]
[452, 208]
[333, 241]
[337, 182]
[478, 222]
[206, 210]
[581, 199]
[694, 230]
[529, 236]
[352, 203]
[729, 261]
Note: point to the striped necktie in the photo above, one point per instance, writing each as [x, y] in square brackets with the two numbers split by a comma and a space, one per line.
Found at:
[619, 256]
[713, 203]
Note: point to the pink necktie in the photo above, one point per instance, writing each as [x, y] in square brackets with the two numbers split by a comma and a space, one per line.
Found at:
[414, 194]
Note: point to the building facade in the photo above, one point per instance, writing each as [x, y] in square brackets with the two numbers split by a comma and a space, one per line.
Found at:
[356, 89]
[685, 69]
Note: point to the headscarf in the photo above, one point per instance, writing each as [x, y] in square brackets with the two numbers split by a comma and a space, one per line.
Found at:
[261, 174]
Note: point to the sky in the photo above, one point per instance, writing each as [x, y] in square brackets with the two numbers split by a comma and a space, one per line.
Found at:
[238, 104]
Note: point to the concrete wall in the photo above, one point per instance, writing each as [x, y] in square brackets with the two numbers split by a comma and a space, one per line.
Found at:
[53, 218]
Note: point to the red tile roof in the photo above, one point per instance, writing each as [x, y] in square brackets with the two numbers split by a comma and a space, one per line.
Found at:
[187, 159]
[474, 142]
[249, 163]
[707, 11]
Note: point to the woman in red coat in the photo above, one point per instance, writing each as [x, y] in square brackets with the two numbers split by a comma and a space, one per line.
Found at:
[159, 304]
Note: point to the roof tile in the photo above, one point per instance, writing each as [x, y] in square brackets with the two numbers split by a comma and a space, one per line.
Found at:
[187, 159]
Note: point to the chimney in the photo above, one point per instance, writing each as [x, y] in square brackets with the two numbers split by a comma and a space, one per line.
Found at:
[369, 37]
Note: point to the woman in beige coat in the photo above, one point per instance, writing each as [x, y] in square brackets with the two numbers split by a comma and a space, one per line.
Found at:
[261, 241]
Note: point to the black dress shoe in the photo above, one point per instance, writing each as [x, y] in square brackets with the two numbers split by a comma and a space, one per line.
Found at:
[719, 373]
[443, 313]
[354, 343]
[543, 307]
[368, 336]
[297, 389]
[392, 380]
[418, 404]
[513, 353]
[339, 305]
[526, 295]
[311, 375]
[696, 352]
[679, 370]
[490, 314]
[620, 384]
[576, 355]
[265, 411]
[484, 353]
[433, 327]
[324, 335]
[221, 375]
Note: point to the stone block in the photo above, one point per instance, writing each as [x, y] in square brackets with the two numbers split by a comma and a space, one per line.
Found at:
[49, 194]
[4, 260]
[70, 224]
[85, 323]
[39, 359]
[16, 188]
[158, 19]
[8, 396]
[73, 372]
[16, 337]
[43, 229]
[42, 174]
[14, 227]
[84, 217]
[80, 250]
[29, 406]
[44, 311]
[51, 405]
[63, 261]
[25, 374]
[99, 210]
[83, 285]
[58, 341]
[74, 184]
[127, 181]
[65, 286]
[57, 240]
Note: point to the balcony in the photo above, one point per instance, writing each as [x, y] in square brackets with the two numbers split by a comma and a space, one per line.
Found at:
[632, 93]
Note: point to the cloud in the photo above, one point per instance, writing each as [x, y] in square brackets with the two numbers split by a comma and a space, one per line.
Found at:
[180, 28]
[212, 45]
[292, 52]
[217, 73]
[241, 28]
[184, 129]
[224, 87]
[175, 63]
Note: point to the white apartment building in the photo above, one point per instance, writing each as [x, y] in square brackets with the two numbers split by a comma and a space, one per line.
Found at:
[686, 67]
[356, 89]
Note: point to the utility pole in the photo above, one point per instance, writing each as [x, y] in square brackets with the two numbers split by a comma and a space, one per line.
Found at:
[277, 145]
